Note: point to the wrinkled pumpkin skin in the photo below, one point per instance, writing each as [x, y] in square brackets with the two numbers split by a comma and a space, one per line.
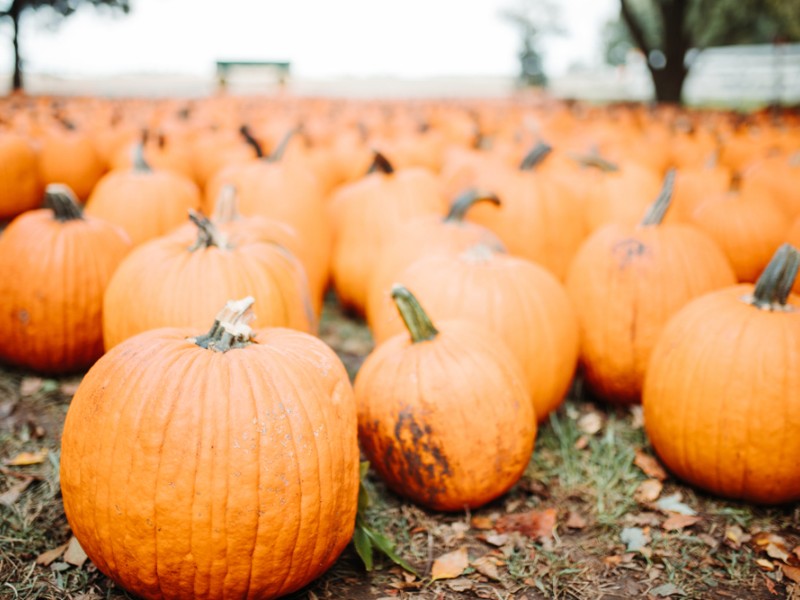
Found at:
[189, 473]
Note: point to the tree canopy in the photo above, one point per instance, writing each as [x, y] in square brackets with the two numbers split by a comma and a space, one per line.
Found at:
[13, 10]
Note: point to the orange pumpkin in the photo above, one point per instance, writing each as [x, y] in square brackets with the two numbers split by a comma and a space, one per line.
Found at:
[219, 465]
[68, 155]
[626, 282]
[722, 392]
[55, 264]
[416, 385]
[172, 282]
[20, 185]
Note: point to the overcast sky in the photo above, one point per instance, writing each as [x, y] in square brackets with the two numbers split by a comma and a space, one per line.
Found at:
[321, 38]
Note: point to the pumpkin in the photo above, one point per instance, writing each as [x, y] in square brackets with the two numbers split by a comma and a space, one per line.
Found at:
[626, 282]
[20, 185]
[68, 155]
[427, 235]
[147, 203]
[218, 465]
[522, 303]
[55, 264]
[365, 214]
[177, 280]
[722, 392]
[413, 388]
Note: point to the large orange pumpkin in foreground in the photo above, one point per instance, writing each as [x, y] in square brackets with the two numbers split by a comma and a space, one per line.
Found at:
[55, 264]
[428, 398]
[722, 392]
[213, 466]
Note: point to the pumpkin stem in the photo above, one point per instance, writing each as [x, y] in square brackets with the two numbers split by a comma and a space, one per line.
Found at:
[140, 165]
[658, 209]
[417, 322]
[248, 137]
[467, 200]
[775, 283]
[594, 160]
[61, 199]
[380, 164]
[535, 156]
[277, 154]
[207, 233]
[230, 328]
[226, 209]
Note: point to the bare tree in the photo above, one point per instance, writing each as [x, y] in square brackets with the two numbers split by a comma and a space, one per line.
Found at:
[534, 20]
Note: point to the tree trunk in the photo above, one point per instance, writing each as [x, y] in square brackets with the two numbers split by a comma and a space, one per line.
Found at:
[14, 12]
[668, 82]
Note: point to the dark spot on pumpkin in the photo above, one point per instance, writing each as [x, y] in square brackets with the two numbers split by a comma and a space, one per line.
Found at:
[23, 316]
[628, 250]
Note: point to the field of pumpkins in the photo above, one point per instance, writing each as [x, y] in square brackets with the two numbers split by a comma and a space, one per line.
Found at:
[261, 347]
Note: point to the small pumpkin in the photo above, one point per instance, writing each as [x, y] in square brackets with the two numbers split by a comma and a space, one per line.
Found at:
[55, 264]
[218, 465]
[722, 392]
[414, 387]
[20, 184]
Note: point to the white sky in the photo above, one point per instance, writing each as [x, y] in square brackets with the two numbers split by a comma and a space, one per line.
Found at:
[321, 38]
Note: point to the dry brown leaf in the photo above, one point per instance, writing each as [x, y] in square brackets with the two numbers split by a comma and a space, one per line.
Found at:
[450, 565]
[497, 539]
[770, 586]
[649, 465]
[590, 423]
[575, 520]
[765, 565]
[648, 491]
[535, 524]
[581, 443]
[735, 536]
[637, 416]
[12, 494]
[679, 522]
[792, 573]
[482, 523]
[45, 559]
[459, 529]
[486, 567]
[24, 459]
[613, 561]
[30, 385]
[74, 554]
[462, 584]
[643, 519]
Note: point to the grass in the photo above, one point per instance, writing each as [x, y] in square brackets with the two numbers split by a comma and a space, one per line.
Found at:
[588, 476]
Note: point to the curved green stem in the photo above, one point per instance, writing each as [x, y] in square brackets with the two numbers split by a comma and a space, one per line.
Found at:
[467, 200]
[380, 164]
[244, 130]
[226, 209]
[417, 321]
[658, 209]
[595, 161]
[140, 165]
[535, 156]
[61, 199]
[207, 233]
[230, 328]
[775, 283]
[277, 154]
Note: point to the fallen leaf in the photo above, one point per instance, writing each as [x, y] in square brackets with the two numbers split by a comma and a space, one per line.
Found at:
[796, 552]
[648, 491]
[7, 406]
[45, 559]
[666, 590]
[450, 565]
[69, 388]
[777, 552]
[28, 458]
[12, 494]
[590, 423]
[581, 443]
[30, 385]
[643, 519]
[770, 586]
[497, 539]
[678, 522]
[735, 536]
[482, 523]
[462, 584]
[766, 565]
[459, 529]
[792, 573]
[637, 416]
[575, 520]
[74, 554]
[486, 567]
[535, 524]
[673, 504]
[649, 465]
[634, 538]
[613, 561]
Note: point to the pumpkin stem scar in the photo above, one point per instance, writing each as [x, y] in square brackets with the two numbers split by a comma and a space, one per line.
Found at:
[467, 200]
[380, 164]
[230, 328]
[207, 233]
[61, 199]
[417, 321]
[655, 213]
[775, 283]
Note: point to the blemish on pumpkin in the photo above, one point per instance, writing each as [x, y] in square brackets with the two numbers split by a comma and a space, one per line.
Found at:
[628, 250]
[414, 444]
[24, 317]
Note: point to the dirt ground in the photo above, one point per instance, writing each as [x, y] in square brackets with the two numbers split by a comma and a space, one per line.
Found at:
[594, 517]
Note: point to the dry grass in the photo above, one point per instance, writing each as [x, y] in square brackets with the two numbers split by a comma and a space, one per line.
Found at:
[588, 477]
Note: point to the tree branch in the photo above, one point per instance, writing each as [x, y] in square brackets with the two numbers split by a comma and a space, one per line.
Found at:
[636, 30]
